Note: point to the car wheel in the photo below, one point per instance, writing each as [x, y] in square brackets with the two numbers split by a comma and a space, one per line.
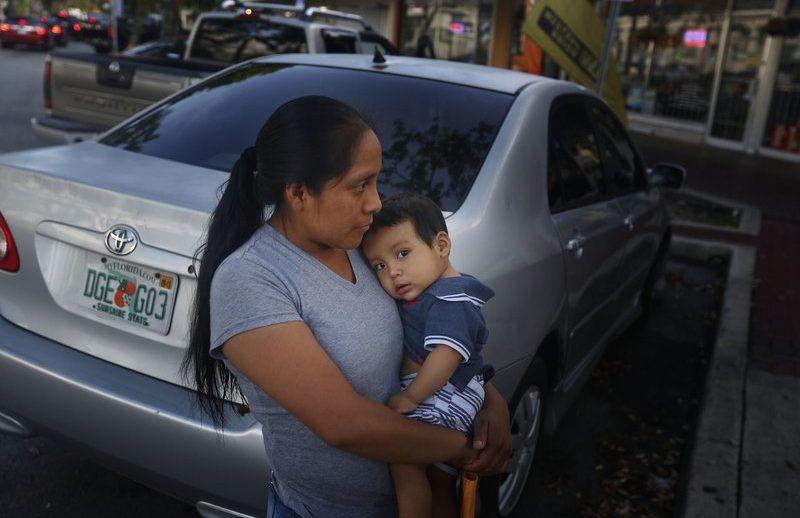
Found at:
[499, 497]
[6, 44]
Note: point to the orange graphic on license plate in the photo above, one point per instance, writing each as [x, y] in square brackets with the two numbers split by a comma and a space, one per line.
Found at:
[165, 282]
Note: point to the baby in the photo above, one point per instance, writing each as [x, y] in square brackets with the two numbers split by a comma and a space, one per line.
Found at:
[443, 334]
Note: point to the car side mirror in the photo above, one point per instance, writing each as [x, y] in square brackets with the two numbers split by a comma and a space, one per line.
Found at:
[665, 174]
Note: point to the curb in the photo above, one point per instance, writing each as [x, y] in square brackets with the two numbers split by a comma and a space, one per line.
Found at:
[714, 463]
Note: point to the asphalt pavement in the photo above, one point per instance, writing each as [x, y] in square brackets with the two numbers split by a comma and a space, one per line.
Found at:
[746, 457]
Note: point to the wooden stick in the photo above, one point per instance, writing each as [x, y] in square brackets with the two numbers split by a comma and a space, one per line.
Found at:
[469, 493]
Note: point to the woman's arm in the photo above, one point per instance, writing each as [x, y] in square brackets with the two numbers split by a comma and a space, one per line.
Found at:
[287, 362]
[492, 435]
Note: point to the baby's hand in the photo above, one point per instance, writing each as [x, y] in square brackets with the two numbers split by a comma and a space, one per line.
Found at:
[402, 403]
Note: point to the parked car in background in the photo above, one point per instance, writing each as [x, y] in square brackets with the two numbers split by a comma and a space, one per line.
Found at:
[26, 30]
[545, 195]
[98, 32]
[86, 94]
[56, 30]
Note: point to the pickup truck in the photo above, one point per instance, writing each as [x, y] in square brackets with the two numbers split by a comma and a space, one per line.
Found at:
[86, 94]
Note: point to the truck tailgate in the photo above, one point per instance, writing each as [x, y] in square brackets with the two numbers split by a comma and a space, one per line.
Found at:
[103, 90]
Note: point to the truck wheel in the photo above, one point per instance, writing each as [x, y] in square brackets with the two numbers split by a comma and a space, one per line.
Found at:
[499, 496]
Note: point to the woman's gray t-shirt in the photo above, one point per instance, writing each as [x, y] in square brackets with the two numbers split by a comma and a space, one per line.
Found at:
[269, 280]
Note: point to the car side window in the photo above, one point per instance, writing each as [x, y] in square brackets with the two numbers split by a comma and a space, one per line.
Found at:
[619, 157]
[339, 42]
[230, 40]
[575, 172]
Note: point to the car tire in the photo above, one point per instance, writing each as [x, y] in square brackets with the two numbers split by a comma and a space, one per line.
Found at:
[500, 495]
[6, 44]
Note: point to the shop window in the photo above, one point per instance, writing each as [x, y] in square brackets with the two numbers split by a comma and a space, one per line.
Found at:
[667, 55]
[783, 122]
[738, 81]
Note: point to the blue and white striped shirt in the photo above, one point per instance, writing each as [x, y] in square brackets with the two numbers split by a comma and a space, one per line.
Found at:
[448, 313]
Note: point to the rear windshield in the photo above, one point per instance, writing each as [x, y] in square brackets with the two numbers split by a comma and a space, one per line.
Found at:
[435, 135]
[230, 40]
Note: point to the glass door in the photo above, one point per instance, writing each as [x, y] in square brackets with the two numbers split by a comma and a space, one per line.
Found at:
[738, 79]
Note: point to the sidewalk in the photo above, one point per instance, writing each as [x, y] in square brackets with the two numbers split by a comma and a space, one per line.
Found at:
[746, 458]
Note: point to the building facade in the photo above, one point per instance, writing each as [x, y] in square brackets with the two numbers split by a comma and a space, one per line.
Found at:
[723, 72]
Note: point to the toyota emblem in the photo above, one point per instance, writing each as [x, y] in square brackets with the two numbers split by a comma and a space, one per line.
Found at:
[121, 240]
[114, 67]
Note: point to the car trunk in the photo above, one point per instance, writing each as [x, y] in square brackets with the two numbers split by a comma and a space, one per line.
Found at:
[131, 310]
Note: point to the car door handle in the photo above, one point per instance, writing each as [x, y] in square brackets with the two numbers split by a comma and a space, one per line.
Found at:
[575, 245]
[628, 221]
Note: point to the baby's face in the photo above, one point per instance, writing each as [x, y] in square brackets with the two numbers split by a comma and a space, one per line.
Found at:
[405, 264]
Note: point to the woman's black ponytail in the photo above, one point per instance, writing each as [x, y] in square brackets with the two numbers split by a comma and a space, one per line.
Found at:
[236, 217]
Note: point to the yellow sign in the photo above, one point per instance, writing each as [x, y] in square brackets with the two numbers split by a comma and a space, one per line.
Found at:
[573, 35]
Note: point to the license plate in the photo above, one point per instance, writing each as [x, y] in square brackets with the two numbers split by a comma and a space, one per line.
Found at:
[128, 293]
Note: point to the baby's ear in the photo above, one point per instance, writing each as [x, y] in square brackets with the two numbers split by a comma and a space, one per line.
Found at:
[442, 243]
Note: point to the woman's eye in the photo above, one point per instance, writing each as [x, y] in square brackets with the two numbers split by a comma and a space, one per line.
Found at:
[403, 253]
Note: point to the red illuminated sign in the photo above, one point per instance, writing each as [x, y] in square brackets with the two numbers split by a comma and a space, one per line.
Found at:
[695, 37]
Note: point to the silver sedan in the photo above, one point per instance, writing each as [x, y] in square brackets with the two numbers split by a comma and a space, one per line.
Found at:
[546, 197]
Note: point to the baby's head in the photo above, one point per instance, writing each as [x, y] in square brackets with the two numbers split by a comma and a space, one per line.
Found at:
[408, 246]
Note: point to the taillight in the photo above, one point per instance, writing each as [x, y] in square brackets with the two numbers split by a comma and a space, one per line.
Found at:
[111, 33]
[40, 31]
[9, 260]
[92, 19]
[76, 27]
[55, 29]
[48, 92]
[4, 27]
[22, 21]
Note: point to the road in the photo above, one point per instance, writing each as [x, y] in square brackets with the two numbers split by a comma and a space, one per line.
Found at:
[22, 96]
[619, 448]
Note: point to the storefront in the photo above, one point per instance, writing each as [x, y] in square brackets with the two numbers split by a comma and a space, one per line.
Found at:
[724, 72]
[711, 71]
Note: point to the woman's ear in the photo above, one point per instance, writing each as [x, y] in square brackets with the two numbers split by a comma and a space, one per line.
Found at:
[296, 195]
[442, 243]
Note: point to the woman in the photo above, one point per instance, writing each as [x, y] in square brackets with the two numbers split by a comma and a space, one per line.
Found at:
[303, 328]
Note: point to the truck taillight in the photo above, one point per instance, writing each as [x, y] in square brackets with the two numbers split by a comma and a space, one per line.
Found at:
[48, 92]
[9, 260]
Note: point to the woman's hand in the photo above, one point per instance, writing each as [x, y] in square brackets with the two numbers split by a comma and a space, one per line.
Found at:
[492, 435]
